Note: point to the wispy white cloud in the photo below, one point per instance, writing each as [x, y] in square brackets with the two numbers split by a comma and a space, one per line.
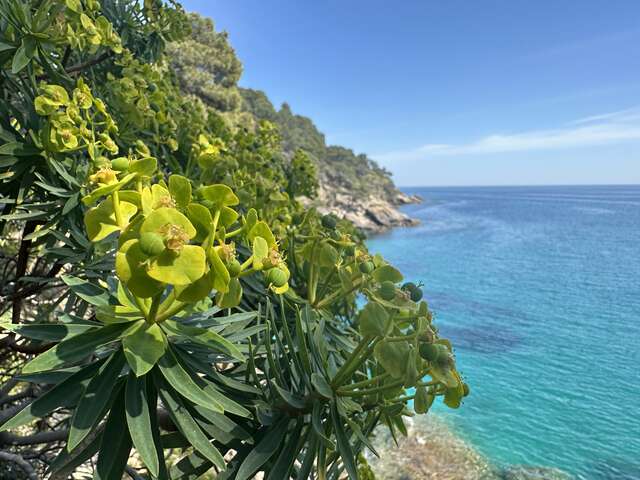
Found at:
[595, 130]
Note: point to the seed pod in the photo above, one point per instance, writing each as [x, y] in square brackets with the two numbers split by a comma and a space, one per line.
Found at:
[151, 244]
[120, 164]
[465, 389]
[329, 222]
[421, 401]
[234, 268]
[408, 286]
[387, 290]
[416, 294]
[277, 277]
[367, 267]
[430, 351]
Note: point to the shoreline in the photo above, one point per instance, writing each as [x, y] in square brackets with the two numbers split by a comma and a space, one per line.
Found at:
[432, 450]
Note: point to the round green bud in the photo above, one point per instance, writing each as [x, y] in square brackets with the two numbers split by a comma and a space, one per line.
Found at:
[277, 277]
[234, 268]
[431, 352]
[329, 221]
[153, 87]
[120, 164]
[416, 294]
[387, 290]
[367, 267]
[151, 244]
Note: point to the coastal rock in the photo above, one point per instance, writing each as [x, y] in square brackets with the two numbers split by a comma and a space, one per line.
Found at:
[372, 213]
[402, 198]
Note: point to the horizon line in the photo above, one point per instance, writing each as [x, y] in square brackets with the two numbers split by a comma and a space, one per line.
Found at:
[524, 185]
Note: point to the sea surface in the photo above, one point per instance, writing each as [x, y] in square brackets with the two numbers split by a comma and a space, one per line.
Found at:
[539, 289]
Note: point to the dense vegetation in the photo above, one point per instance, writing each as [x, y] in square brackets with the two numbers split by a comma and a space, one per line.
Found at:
[206, 65]
[169, 308]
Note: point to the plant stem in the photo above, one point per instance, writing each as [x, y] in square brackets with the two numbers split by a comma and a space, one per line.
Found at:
[365, 383]
[153, 310]
[115, 198]
[351, 364]
[170, 312]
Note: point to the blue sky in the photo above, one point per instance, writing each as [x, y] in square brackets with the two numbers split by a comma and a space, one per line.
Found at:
[488, 92]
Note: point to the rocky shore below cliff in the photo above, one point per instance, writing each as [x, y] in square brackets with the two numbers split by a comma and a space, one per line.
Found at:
[373, 213]
[432, 451]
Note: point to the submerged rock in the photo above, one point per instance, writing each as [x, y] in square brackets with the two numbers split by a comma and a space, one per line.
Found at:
[525, 472]
[433, 451]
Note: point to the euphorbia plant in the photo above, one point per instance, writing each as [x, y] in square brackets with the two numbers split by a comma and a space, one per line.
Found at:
[199, 315]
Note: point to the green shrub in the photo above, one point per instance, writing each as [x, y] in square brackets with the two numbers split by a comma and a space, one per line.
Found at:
[178, 297]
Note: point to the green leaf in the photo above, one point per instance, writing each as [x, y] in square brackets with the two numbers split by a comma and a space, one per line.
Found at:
[231, 298]
[105, 190]
[185, 384]
[163, 216]
[54, 332]
[387, 273]
[180, 189]
[21, 58]
[183, 269]
[283, 464]
[18, 149]
[289, 398]
[196, 291]
[344, 447]
[144, 347]
[201, 219]
[145, 166]
[264, 450]
[321, 385]
[261, 229]
[208, 338]
[316, 422]
[326, 255]
[373, 320]
[89, 292]
[94, 400]
[76, 348]
[220, 427]
[221, 277]
[58, 396]
[220, 195]
[115, 446]
[100, 221]
[260, 250]
[191, 467]
[393, 356]
[188, 426]
[139, 422]
[130, 269]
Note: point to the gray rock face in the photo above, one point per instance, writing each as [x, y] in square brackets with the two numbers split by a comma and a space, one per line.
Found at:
[373, 213]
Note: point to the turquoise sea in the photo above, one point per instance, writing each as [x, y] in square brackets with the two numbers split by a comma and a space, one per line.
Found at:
[539, 289]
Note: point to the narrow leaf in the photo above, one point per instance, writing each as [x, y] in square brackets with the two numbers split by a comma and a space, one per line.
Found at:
[139, 422]
[94, 400]
[188, 426]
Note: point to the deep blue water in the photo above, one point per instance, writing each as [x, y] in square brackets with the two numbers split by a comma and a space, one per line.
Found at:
[539, 289]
